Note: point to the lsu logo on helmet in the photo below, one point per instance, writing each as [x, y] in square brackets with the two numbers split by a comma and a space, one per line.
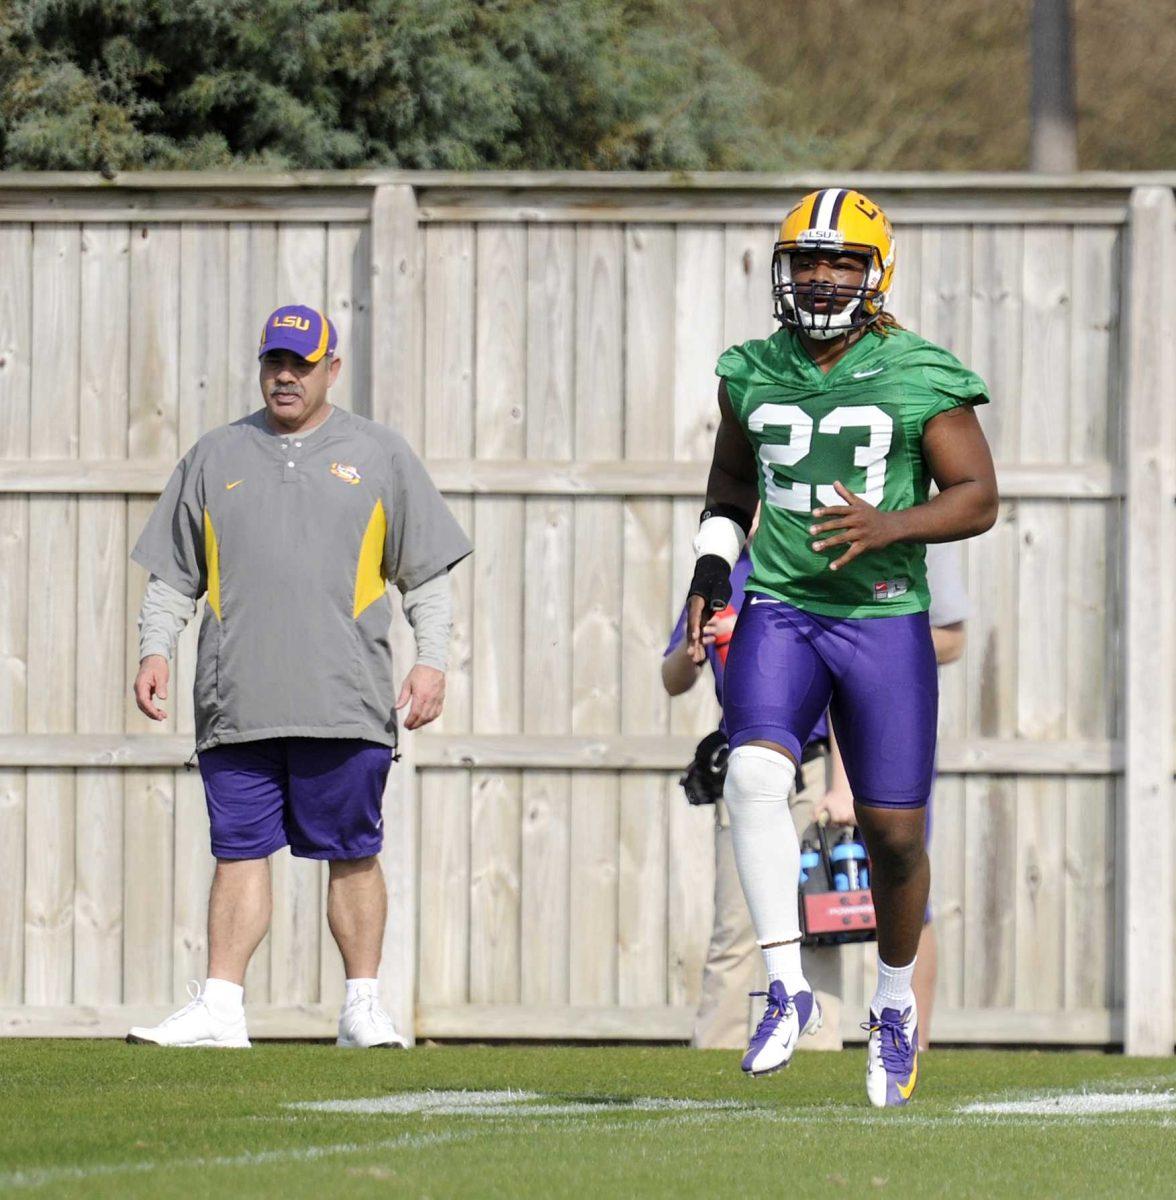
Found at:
[842, 221]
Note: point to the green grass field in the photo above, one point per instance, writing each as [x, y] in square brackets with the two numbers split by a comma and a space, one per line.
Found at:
[105, 1119]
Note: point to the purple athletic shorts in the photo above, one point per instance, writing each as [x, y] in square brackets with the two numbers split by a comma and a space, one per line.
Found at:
[319, 796]
[876, 675]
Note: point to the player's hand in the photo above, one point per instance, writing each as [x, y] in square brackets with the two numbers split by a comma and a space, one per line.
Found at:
[837, 806]
[715, 628]
[696, 642]
[710, 593]
[425, 687]
[151, 682]
[855, 524]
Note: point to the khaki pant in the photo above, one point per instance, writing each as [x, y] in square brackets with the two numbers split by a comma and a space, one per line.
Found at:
[734, 962]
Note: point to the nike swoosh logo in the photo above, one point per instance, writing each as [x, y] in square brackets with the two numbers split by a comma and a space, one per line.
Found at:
[229, 486]
[867, 374]
[763, 600]
[905, 1091]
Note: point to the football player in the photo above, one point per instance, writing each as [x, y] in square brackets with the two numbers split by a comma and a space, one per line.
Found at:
[838, 424]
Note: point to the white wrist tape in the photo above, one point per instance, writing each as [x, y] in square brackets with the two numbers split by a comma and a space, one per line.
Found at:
[721, 536]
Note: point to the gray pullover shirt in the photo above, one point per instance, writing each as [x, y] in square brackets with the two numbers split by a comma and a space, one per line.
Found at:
[165, 613]
[292, 539]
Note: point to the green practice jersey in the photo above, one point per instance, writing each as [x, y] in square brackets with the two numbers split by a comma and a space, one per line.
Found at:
[861, 423]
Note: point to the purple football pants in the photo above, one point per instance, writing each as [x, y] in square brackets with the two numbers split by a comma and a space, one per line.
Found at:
[321, 797]
[876, 675]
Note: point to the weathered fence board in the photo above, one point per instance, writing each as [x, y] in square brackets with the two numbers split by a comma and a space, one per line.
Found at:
[645, 602]
[16, 337]
[102, 632]
[1150, 641]
[52, 626]
[499, 579]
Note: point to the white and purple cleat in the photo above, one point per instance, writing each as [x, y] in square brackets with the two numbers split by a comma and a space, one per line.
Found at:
[785, 1019]
[892, 1056]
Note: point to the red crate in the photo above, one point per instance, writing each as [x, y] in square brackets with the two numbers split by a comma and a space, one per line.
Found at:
[849, 913]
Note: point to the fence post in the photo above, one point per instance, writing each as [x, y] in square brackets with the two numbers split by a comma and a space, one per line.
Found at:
[1150, 564]
[397, 319]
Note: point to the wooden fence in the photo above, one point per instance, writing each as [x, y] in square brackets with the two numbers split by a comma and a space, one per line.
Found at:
[548, 343]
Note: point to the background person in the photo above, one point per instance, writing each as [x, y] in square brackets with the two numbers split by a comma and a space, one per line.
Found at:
[290, 522]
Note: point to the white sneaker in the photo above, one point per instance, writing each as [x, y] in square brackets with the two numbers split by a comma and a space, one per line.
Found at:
[785, 1019]
[892, 1056]
[194, 1025]
[364, 1025]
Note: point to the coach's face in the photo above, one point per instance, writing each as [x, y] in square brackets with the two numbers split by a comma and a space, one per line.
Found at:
[294, 390]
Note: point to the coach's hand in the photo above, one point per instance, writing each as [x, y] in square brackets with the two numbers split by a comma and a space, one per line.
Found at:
[860, 525]
[425, 687]
[150, 682]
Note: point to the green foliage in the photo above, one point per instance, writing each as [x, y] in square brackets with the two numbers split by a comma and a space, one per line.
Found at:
[551, 84]
[456, 84]
[943, 85]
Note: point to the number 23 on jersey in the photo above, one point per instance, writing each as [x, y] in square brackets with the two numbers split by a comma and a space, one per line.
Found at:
[829, 455]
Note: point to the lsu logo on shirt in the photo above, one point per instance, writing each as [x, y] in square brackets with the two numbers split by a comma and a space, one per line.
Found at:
[345, 472]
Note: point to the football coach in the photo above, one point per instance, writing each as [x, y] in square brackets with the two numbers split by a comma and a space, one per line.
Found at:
[290, 522]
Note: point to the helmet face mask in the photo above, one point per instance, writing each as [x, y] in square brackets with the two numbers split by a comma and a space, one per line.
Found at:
[834, 223]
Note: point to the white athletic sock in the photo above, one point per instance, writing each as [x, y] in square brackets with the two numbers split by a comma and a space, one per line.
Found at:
[894, 987]
[767, 852]
[356, 986]
[783, 963]
[226, 1000]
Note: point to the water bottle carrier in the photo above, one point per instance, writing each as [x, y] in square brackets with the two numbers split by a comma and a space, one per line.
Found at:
[829, 916]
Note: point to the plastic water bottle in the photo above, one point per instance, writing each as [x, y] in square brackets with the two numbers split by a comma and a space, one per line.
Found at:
[810, 860]
[849, 863]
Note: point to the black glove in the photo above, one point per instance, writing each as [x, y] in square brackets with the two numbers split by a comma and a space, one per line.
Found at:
[712, 581]
[703, 780]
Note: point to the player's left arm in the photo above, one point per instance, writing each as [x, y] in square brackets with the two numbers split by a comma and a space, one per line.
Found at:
[961, 464]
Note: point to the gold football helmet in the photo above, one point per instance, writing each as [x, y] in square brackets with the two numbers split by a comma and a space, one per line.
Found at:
[845, 222]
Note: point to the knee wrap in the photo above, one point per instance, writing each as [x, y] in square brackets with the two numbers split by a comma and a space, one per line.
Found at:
[767, 853]
[757, 775]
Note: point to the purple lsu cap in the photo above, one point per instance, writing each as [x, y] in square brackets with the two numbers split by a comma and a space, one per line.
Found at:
[305, 331]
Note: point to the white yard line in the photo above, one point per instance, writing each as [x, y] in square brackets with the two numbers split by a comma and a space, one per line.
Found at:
[35, 1177]
[1077, 1104]
[509, 1104]
[403, 1103]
